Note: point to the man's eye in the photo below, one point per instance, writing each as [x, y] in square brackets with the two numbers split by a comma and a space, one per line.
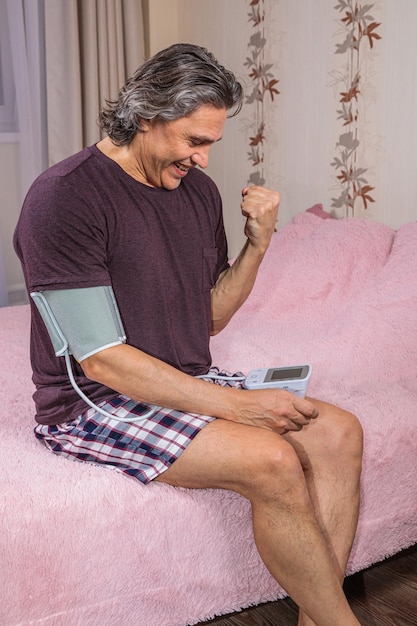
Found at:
[196, 142]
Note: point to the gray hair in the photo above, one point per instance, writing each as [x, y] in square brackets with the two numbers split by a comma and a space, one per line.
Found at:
[171, 84]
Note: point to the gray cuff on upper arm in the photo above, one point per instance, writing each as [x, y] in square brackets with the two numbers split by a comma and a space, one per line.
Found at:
[84, 321]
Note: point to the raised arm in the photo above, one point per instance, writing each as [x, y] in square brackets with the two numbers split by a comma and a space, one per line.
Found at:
[260, 207]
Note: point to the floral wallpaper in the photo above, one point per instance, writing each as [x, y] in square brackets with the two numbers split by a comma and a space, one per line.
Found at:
[263, 89]
[358, 33]
[358, 30]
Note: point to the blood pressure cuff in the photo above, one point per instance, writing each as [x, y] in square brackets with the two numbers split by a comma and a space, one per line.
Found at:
[81, 322]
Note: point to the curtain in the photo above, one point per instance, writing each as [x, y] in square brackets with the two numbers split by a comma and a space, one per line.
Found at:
[25, 26]
[92, 47]
[25, 21]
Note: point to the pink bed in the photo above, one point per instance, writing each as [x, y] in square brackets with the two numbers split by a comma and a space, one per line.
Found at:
[85, 545]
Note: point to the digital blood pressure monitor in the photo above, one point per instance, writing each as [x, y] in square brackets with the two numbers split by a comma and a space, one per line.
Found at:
[294, 379]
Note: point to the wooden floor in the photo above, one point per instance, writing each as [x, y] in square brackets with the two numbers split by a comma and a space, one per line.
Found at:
[383, 595]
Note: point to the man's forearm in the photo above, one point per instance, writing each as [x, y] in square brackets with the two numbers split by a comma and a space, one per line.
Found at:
[144, 378]
[234, 286]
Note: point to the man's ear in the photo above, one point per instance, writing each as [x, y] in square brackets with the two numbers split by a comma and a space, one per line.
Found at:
[144, 124]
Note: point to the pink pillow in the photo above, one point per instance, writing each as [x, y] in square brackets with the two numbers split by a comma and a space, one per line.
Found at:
[318, 210]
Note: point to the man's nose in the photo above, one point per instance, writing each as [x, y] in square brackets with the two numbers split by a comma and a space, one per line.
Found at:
[201, 156]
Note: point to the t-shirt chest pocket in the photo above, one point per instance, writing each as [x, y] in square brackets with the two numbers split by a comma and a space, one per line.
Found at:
[209, 266]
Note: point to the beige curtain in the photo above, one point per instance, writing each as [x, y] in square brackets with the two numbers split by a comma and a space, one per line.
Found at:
[91, 48]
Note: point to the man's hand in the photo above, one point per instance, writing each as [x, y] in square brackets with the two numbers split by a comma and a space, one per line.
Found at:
[275, 409]
[260, 207]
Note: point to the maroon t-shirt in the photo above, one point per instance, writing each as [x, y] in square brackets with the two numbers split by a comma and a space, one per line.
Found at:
[84, 223]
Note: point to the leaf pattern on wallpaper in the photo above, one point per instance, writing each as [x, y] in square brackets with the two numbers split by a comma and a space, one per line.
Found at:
[263, 84]
[359, 28]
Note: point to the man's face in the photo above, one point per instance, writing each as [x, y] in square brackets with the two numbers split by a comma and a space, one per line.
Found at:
[165, 151]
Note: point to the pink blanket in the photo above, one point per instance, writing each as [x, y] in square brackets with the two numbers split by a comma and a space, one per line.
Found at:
[85, 545]
[342, 295]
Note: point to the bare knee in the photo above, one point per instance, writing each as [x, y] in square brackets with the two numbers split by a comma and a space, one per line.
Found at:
[342, 438]
[333, 443]
[274, 471]
[348, 436]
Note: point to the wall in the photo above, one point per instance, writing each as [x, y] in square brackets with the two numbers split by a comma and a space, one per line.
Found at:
[314, 74]
[303, 133]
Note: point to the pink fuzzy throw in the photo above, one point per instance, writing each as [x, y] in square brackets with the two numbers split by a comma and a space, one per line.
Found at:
[81, 544]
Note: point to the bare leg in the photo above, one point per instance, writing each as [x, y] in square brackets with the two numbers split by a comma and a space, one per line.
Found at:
[292, 537]
[333, 480]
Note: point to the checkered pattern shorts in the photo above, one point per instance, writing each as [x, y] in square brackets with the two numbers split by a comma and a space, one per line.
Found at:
[142, 449]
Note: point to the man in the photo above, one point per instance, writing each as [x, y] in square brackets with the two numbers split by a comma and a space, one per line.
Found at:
[135, 213]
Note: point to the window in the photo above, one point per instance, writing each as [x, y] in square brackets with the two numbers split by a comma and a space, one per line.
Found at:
[8, 109]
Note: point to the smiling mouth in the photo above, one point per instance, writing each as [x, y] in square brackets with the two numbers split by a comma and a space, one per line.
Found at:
[181, 167]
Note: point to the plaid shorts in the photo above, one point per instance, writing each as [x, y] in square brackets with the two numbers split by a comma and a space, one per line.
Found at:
[142, 449]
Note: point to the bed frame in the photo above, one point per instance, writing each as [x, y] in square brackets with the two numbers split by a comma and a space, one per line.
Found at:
[82, 544]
